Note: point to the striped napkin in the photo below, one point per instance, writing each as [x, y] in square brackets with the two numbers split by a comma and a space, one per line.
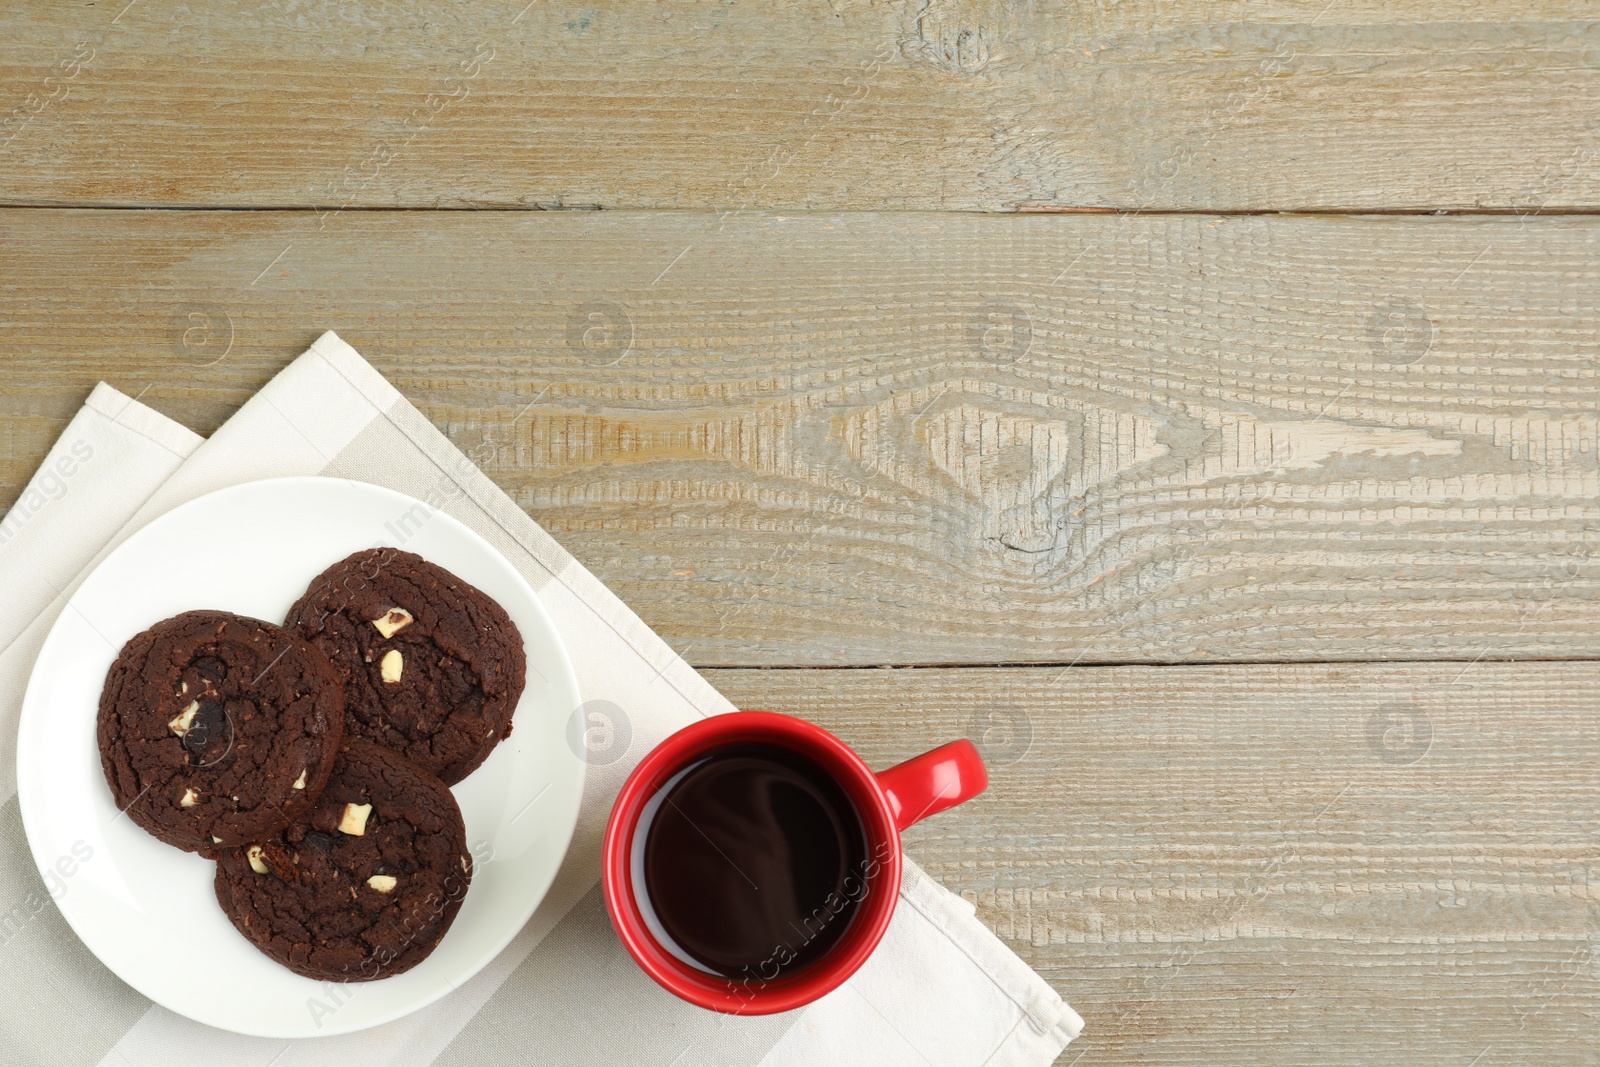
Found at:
[941, 990]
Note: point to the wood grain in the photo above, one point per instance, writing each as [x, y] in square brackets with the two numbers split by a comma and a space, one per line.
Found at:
[1284, 864]
[952, 439]
[802, 422]
[963, 104]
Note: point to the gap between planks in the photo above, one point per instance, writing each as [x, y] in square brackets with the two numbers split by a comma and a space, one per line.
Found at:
[536, 209]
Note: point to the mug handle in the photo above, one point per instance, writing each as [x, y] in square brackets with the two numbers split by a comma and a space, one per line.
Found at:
[933, 782]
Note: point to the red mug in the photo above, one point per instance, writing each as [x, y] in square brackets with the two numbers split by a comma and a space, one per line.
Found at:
[886, 802]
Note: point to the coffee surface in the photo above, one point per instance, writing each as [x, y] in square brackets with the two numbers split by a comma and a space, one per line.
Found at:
[754, 862]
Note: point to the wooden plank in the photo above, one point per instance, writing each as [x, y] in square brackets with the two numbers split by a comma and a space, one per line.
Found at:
[1288, 864]
[963, 104]
[916, 438]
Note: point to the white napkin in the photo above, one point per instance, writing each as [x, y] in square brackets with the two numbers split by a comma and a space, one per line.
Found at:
[941, 989]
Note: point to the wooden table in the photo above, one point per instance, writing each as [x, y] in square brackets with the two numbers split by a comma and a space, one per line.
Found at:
[1194, 402]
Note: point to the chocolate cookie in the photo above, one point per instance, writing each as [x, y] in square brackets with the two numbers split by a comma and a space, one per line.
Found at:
[431, 666]
[215, 729]
[363, 887]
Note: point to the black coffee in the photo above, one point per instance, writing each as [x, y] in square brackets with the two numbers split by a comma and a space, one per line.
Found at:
[755, 862]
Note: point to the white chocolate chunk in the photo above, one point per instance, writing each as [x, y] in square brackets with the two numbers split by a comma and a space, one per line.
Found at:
[190, 797]
[185, 718]
[354, 820]
[257, 864]
[383, 883]
[215, 840]
[300, 782]
[394, 620]
[393, 666]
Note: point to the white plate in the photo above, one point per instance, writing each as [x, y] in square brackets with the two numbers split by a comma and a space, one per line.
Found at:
[146, 909]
